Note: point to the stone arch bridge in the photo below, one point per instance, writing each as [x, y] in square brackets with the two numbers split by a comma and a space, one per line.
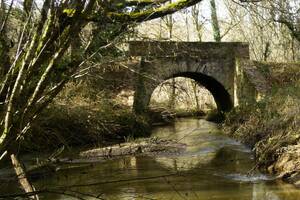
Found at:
[216, 66]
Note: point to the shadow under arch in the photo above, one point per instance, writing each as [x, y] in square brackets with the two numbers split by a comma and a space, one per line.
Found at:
[146, 87]
[218, 91]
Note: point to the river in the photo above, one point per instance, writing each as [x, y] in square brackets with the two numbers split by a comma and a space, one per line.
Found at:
[213, 166]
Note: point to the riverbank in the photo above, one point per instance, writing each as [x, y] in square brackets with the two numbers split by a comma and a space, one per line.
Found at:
[271, 127]
[81, 121]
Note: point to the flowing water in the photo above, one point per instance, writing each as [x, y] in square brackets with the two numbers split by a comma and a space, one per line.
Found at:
[212, 167]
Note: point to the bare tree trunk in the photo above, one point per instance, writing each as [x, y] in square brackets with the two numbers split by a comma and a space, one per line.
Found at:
[5, 43]
[194, 85]
[293, 49]
[160, 36]
[173, 94]
[267, 51]
[187, 26]
[170, 25]
[215, 21]
[197, 23]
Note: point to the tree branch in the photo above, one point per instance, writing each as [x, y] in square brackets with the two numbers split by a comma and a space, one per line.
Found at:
[295, 33]
[151, 13]
[140, 3]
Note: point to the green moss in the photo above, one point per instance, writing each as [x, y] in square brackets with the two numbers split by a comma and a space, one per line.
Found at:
[69, 12]
[152, 12]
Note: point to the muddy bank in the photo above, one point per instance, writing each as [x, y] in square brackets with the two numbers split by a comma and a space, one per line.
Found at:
[271, 127]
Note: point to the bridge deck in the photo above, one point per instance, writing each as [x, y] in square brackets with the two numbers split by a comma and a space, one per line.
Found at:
[205, 50]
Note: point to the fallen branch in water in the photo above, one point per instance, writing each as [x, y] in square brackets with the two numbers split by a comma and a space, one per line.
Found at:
[22, 178]
[153, 146]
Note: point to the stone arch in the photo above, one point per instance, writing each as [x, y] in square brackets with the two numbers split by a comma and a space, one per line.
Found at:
[207, 73]
[218, 91]
[220, 94]
[216, 66]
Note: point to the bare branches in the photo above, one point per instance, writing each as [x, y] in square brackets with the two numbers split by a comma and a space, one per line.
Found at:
[5, 17]
[4, 40]
[286, 13]
[291, 26]
[47, 46]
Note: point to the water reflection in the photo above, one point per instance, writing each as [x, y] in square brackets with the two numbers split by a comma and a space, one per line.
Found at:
[213, 167]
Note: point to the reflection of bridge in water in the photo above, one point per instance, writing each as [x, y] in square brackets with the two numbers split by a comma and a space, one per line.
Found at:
[216, 66]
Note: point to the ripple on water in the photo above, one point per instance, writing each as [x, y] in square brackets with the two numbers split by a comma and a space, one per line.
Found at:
[255, 178]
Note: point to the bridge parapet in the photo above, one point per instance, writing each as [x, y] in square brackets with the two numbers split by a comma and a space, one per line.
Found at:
[202, 50]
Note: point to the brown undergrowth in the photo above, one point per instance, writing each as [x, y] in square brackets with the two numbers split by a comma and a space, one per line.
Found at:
[81, 115]
[272, 126]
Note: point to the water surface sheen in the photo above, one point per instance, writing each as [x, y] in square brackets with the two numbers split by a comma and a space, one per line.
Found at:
[212, 167]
